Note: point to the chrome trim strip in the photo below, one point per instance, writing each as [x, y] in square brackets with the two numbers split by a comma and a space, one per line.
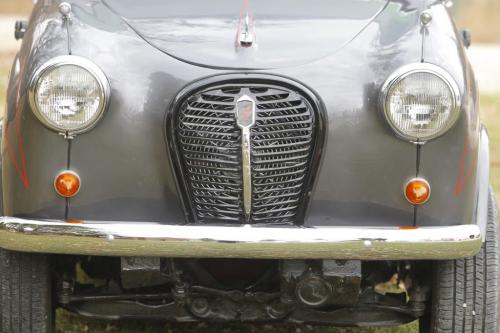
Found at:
[247, 172]
[483, 181]
[246, 241]
[246, 119]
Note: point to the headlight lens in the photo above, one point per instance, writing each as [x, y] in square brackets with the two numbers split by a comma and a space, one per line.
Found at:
[421, 102]
[69, 94]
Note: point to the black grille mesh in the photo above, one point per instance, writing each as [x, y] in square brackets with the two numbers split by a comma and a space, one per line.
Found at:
[209, 142]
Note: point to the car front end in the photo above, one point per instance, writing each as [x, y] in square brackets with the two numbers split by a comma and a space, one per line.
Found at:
[250, 161]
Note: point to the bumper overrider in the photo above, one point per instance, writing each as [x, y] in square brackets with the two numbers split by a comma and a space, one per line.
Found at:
[246, 241]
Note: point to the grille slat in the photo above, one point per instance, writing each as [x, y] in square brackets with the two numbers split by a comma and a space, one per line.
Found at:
[279, 166]
[210, 166]
[272, 174]
[205, 127]
[198, 139]
[287, 117]
[209, 135]
[209, 172]
[215, 211]
[276, 159]
[278, 195]
[218, 203]
[265, 109]
[208, 187]
[284, 209]
[206, 119]
[202, 158]
[288, 131]
[216, 103]
[215, 111]
[279, 144]
[280, 139]
[209, 141]
[272, 151]
[270, 125]
[220, 151]
[203, 106]
[262, 190]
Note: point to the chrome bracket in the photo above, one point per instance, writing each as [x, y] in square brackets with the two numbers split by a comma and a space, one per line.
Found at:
[426, 18]
[65, 10]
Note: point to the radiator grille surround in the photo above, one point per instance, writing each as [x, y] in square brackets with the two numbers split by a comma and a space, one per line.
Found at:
[207, 147]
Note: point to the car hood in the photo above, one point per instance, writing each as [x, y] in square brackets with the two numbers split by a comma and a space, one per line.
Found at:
[285, 33]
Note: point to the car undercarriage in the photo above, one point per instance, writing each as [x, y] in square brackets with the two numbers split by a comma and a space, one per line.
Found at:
[324, 292]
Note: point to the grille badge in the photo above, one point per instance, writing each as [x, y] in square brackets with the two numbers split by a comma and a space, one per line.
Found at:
[245, 118]
[245, 111]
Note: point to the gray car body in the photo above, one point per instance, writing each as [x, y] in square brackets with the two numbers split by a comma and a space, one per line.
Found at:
[124, 164]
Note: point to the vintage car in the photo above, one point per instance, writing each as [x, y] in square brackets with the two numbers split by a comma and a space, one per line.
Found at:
[246, 161]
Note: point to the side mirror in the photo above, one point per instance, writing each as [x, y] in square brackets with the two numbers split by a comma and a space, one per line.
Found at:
[466, 37]
[20, 29]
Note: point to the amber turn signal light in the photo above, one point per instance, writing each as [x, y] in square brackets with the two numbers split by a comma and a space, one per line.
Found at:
[67, 184]
[417, 191]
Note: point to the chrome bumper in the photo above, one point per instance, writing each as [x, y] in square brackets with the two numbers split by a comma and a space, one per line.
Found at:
[159, 240]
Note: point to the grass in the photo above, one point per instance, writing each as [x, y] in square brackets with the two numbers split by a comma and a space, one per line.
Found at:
[490, 114]
[69, 323]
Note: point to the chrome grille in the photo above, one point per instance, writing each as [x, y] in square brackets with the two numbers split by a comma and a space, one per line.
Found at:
[209, 143]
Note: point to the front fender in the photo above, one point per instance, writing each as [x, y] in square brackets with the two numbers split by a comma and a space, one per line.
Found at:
[10, 106]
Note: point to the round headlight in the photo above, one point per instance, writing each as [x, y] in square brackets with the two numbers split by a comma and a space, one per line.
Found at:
[69, 94]
[421, 102]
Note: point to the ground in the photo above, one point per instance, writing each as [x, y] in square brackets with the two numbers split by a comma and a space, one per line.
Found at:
[68, 324]
[485, 58]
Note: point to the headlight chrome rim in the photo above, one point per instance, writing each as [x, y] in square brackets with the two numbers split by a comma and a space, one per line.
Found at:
[404, 72]
[83, 63]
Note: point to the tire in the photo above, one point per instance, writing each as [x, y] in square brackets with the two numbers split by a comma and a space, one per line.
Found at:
[466, 292]
[26, 293]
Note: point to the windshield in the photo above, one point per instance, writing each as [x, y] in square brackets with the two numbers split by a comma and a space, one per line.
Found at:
[262, 9]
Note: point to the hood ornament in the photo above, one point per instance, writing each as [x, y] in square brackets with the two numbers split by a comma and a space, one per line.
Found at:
[246, 36]
[246, 29]
[245, 118]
